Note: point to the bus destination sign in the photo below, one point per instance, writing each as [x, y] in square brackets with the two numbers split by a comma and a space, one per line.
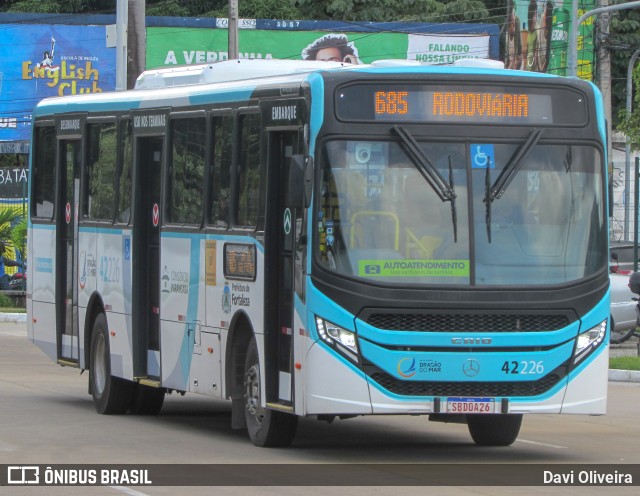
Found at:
[455, 104]
[460, 104]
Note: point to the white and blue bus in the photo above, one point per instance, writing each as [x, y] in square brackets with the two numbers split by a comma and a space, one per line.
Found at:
[328, 240]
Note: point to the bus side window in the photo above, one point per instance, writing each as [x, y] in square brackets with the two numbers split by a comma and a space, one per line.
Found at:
[220, 177]
[186, 174]
[44, 173]
[124, 172]
[99, 191]
[248, 200]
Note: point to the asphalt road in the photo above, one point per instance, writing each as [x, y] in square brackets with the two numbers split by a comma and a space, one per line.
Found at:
[47, 417]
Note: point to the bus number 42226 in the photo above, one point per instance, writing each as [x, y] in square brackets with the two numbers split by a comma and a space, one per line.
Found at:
[523, 367]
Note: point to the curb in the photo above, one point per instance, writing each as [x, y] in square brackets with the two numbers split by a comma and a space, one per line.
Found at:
[624, 375]
[13, 317]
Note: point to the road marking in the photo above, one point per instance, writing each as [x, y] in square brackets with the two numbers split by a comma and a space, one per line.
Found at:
[129, 491]
[542, 444]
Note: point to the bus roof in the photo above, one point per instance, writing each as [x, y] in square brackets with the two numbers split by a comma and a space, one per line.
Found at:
[237, 79]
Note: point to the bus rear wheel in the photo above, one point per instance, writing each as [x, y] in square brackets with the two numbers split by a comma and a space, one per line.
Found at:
[267, 428]
[111, 395]
[494, 430]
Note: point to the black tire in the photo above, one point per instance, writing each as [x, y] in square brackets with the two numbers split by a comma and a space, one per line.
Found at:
[147, 400]
[494, 430]
[618, 337]
[267, 428]
[111, 395]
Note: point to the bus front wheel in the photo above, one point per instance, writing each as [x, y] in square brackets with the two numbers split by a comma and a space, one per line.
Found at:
[267, 428]
[111, 395]
[494, 430]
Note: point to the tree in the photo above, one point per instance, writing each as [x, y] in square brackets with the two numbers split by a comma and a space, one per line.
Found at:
[13, 230]
[622, 41]
[630, 122]
[57, 6]
[491, 11]
[395, 10]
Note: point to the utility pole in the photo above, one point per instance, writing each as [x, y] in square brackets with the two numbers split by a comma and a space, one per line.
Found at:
[122, 16]
[233, 29]
[604, 73]
[136, 39]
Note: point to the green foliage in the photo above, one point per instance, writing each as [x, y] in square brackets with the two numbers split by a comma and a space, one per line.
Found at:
[395, 10]
[11, 160]
[10, 218]
[174, 8]
[346, 10]
[622, 42]
[624, 363]
[6, 302]
[57, 6]
[268, 9]
[629, 123]
[19, 235]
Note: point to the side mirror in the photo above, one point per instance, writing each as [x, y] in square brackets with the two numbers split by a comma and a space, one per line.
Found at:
[300, 184]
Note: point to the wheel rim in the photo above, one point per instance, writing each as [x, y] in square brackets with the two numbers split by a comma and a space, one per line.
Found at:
[252, 394]
[99, 365]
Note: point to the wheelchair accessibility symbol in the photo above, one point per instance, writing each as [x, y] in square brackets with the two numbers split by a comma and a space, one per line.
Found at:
[482, 156]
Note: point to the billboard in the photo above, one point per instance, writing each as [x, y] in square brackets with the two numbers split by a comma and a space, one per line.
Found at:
[357, 42]
[39, 61]
[537, 37]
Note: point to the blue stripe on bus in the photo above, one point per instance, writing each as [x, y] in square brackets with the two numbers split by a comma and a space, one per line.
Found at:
[214, 96]
[188, 340]
[317, 108]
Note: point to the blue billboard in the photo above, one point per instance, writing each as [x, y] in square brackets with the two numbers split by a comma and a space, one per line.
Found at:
[39, 61]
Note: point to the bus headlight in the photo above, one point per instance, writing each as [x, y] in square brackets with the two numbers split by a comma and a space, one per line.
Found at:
[589, 341]
[337, 337]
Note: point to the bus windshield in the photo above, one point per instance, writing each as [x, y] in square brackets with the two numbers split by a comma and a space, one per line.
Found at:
[383, 218]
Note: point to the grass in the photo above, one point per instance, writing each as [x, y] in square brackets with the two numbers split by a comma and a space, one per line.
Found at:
[624, 363]
[12, 310]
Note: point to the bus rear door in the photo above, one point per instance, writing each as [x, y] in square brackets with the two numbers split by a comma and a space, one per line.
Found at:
[149, 132]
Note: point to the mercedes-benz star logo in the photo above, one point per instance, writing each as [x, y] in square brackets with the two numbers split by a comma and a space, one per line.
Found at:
[471, 367]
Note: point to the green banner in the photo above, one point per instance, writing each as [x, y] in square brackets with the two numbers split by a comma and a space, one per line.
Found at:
[413, 268]
[172, 46]
[179, 46]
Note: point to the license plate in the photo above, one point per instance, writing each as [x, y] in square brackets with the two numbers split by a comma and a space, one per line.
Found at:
[471, 405]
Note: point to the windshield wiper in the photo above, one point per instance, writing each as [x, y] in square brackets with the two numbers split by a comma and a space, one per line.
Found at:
[454, 212]
[439, 184]
[568, 160]
[513, 166]
[508, 173]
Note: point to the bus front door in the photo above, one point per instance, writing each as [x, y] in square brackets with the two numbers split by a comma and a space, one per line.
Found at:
[66, 254]
[280, 287]
[146, 258]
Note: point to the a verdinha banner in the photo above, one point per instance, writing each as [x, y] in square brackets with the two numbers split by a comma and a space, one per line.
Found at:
[168, 46]
[537, 37]
[39, 61]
